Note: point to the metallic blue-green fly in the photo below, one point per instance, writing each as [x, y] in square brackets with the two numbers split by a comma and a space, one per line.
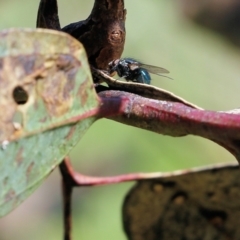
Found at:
[135, 71]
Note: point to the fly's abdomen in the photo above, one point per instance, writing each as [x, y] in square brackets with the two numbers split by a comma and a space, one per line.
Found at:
[143, 76]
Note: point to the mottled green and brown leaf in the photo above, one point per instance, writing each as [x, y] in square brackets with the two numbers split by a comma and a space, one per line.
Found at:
[47, 102]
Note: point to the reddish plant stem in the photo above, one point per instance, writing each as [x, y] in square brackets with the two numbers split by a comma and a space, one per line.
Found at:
[73, 179]
[172, 118]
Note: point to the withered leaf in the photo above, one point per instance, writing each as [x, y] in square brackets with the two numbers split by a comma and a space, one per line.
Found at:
[198, 205]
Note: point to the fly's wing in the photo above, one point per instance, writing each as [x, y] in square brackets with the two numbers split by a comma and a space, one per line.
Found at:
[154, 70]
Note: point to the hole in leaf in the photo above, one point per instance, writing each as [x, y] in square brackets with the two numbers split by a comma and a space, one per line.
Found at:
[39, 77]
[215, 217]
[20, 96]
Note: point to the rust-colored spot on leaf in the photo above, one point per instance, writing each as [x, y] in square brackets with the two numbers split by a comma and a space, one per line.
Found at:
[29, 169]
[10, 195]
[43, 120]
[19, 157]
[82, 93]
[57, 93]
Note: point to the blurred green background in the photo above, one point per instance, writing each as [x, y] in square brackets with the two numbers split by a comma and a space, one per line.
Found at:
[205, 69]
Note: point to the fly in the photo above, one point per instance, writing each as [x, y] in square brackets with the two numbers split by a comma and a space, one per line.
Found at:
[135, 71]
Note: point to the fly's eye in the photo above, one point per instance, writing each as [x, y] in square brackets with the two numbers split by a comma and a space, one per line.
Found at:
[121, 67]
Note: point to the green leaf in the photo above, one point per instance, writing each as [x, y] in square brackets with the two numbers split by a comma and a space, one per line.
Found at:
[47, 100]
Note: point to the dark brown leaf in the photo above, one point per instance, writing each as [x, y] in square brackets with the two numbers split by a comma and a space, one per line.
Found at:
[201, 205]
